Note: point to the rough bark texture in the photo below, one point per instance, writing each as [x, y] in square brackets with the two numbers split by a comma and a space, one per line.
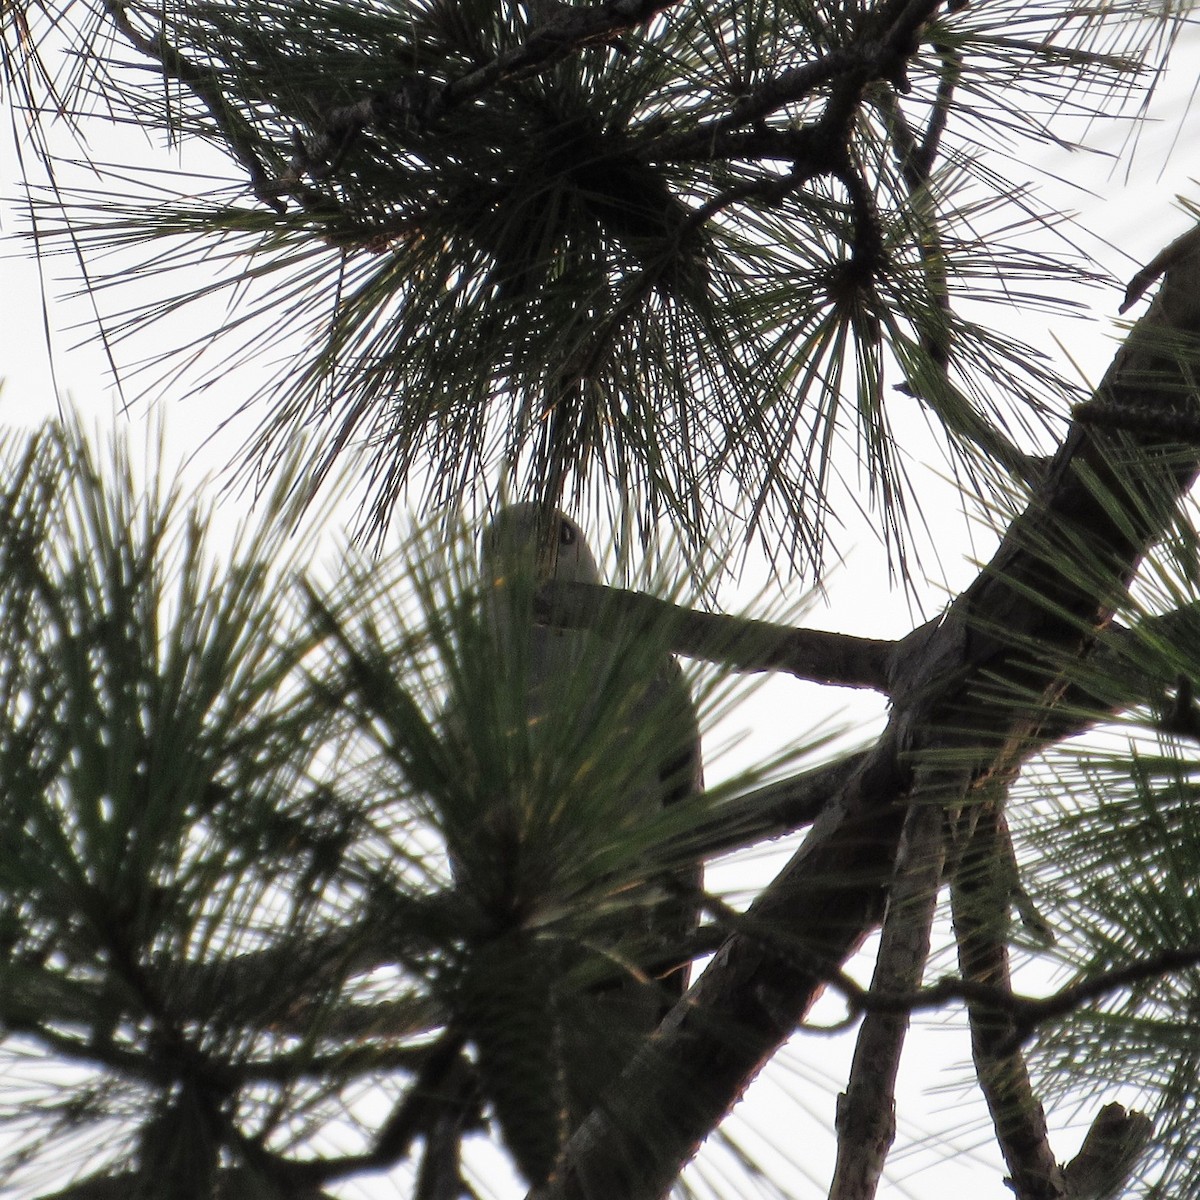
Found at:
[866, 1112]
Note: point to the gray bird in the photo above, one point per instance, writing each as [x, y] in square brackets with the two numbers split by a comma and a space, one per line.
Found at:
[581, 953]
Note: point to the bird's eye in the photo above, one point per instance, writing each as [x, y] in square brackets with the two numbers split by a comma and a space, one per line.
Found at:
[566, 534]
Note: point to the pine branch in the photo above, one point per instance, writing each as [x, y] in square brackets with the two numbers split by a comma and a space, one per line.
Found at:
[1140, 418]
[204, 84]
[726, 136]
[1178, 251]
[570, 28]
[915, 158]
[1024, 1013]
[844, 71]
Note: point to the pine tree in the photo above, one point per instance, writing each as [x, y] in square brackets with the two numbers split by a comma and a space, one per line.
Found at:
[678, 266]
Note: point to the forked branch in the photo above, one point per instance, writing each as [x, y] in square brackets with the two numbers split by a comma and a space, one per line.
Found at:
[969, 707]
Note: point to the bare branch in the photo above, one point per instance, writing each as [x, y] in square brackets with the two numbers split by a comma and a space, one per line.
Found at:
[772, 810]
[1112, 1146]
[1028, 1012]
[1180, 249]
[1025, 1012]
[738, 642]
[979, 898]
[866, 1113]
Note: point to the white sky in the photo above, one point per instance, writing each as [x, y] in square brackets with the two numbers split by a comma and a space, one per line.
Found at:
[1129, 208]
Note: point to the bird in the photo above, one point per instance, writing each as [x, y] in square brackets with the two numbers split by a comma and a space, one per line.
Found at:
[582, 952]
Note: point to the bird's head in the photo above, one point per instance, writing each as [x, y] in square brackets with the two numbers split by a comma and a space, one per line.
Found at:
[529, 542]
